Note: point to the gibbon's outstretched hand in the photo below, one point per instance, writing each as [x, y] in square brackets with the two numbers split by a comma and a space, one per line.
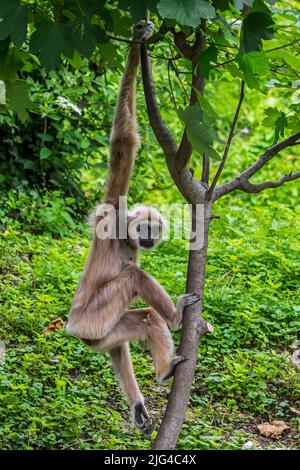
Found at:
[111, 278]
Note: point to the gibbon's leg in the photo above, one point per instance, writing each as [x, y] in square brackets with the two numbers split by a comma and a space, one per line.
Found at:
[124, 137]
[121, 360]
[143, 324]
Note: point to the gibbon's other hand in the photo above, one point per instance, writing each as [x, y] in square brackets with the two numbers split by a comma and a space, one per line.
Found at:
[141, 418]
[142, 30]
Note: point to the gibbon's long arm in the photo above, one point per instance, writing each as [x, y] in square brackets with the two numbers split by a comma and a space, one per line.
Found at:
[124, 137]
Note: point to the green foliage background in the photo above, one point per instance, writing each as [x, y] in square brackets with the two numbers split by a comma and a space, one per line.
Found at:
[54, 130]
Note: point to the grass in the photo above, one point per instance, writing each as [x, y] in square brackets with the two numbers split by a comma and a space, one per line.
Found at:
[56, 394]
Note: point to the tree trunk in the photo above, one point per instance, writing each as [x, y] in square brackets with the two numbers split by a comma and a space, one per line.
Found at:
[194, 326]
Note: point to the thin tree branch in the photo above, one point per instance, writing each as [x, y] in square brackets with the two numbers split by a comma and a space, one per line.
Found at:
[154, 56]
[171, 89]
[248, 187]
[161, 131]
[175, 69]
[229, 140]
[221, 64]
[181, 43]
[282, 47]
[241, 182]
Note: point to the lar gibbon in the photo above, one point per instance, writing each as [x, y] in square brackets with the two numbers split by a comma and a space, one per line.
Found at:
[112, 279]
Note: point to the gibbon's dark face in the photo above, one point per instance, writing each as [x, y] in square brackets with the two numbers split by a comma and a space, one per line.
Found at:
[149, 234]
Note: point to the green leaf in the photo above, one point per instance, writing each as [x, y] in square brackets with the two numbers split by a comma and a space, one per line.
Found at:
[45, 153]
[259, 5]
[206, 106]
[271, 116]
[208, 56]
[277, 120]
[49, 41]
[94, 7]
[122, 24]
[186, 12]
[138, 9]
[10, 65]
[19, 102]
[252, 65]
[240, 3]
[110, 53]
[257, 62]
[234, 70]
[201, 135]
[83, 38]
[221, 5]
[14, 21]
[192, 114]
[255, 27]
[292, 60]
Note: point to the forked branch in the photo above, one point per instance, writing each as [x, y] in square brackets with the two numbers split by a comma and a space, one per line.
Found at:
[191, 189]
[242, 183]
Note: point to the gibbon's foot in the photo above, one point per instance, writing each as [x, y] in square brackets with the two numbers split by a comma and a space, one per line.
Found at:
[190, 299]
[141, 418]
[142, 30]
[177, 360]
[185, 300]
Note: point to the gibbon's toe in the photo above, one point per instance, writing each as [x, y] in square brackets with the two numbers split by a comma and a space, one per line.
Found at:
[191, 299]
[148, 426]
[142, 420]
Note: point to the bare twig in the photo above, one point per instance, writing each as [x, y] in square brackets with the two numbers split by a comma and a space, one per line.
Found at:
[248, 187]
[241, 182]
[205, 169]
[282, 47]
[127, 41]
[179, 79]
[221, 64]
[230, 137]
[171, 89]
[176, 57]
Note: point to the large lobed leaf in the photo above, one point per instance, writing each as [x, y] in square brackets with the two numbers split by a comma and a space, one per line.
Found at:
[186, 12]
[14, 21]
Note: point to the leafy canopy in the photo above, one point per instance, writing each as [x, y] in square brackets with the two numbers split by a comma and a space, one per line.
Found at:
[243, 40]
